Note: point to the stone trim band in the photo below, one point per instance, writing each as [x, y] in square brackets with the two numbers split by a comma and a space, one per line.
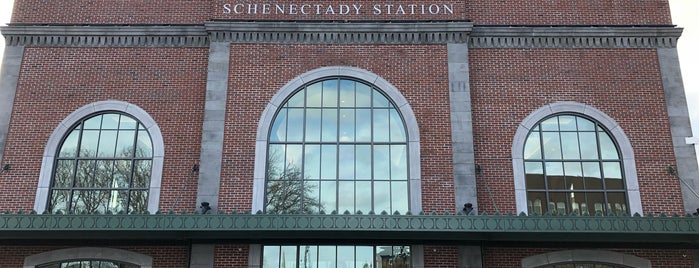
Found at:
[343, 33]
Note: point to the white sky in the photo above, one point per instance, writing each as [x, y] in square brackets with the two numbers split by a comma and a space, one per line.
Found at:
[684, 14]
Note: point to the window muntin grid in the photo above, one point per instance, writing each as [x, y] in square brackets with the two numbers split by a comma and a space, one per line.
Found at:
[103, 165]
[88, 264]
[337, 145]
[572, 165]
[307, 256]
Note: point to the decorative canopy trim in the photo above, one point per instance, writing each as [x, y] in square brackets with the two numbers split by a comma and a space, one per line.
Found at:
[634, 231]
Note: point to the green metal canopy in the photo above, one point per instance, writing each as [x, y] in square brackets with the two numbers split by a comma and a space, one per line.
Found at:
[503, 230]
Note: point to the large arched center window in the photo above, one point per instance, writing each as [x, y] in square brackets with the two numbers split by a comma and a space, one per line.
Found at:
[89, 264]
[103, 165]
[337, 145]
[573, 165]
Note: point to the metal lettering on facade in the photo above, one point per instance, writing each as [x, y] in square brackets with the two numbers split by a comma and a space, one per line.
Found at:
[337, 9]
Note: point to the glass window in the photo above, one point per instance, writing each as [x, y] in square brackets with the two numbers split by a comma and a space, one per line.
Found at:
[315, 256]
[88, 264]
[337, 145]
[582, 265]
[104, 165]
[573, 166]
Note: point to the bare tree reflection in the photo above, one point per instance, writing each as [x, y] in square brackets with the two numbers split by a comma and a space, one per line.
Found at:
[286, 190]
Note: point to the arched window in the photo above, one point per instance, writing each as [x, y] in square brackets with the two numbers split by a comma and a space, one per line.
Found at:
[584, 258]
[572, 165]
[582, 265]
[88, 264]
[103, 165]
[569, 157]
[337, 144]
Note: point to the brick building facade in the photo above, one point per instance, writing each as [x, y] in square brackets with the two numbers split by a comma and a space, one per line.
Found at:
[345, 134]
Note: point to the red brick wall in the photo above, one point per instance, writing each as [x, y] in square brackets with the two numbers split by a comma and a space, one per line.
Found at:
[508, 84]
[512, 257]
[231, 256]
[163, 256]
[504, 12]
[441, 256]
[167, 83]
[254, 80]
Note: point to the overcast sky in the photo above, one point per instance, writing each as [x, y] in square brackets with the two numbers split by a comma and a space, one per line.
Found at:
[684, 14]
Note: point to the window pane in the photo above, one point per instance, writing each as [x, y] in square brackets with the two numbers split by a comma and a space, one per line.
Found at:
[297, 100]
[93, 123]
[312, 196]
[345, 256]
[59, 201]
[347, 93]
[64, 173]
[363, 162]
[110, 121]
[138, 202]
[328, 198]
[308, 257]
[330, 93]
[295, 125]
[397, 128]
[288, 256]
[554, 175]
[365, 257]
[144, 147]
[574, 177]
[612, 176]
[363, 95]
[275, 162]
[399, 197]
[595, 203]
[381, 125]
[293, 157]
[532, 148]
[567, 123]
[312, 162]
[593, 176]
[313, 121]
[122, 174]
[346, 197]
[607, 147]
[534, 175]
[550, 124]
[328, 168]
[69, 148]
[329, 125]
[536, 203]
[91, 201]
[327, 256]
[617, 203]
[125, 142]
[363, 196]
[569, 143]
[88, 143]
[85, 173]
[588, 145]
[142, 173]
[314, 95]
[271, 256]
[552, 145]
[382, 165]
[347, 125]
[557, 204]
[399, 162]
[363, 125]
[382, 197]
[346, 168]
[126, 122]
[278, 132]
[380, 101]
[107, 144]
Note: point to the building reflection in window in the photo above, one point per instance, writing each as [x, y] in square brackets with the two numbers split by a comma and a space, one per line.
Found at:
[314, 256]
[88, 264]
[573, 166]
